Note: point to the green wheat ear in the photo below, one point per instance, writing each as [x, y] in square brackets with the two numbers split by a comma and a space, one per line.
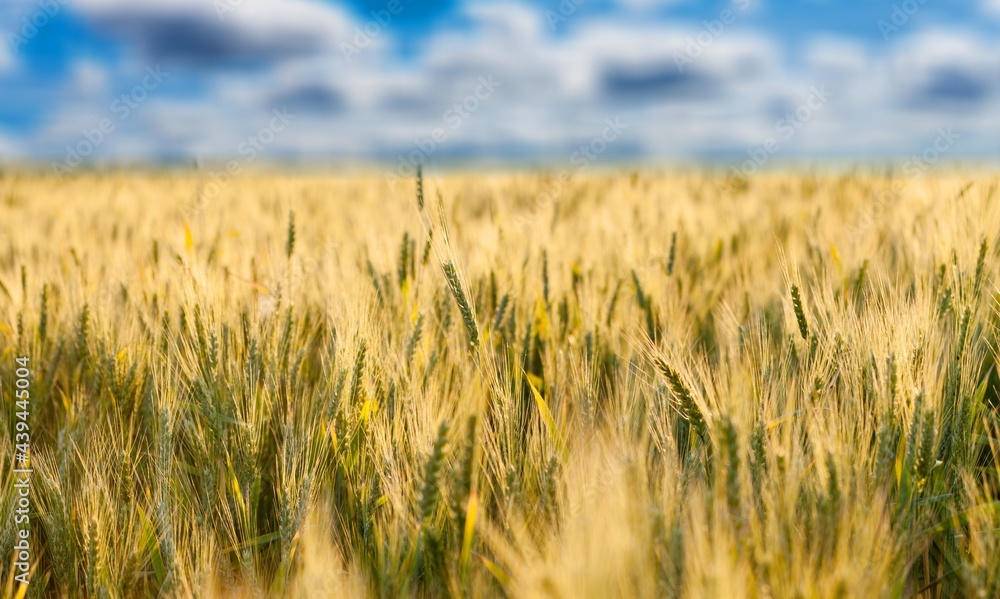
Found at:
[545, 277]
[455, 285]
[420, 186]
[462, 486]
[359, 371]
[414, 340]
[688, 408]
[731, 454]
[980, 268]
[800, 314]
[431, 493]
[613, 302]
[290, 243]
[82, 330]
[427, 247]
[404, 259]
[43, 319]
[501, 312]
[673, 253]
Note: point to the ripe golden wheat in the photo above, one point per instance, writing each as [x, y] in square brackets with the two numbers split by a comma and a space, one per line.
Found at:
[661, 386]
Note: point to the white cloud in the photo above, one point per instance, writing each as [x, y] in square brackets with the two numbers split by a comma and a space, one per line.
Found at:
[507, 17]
[88, 79]
[9, 148]
[837, 57]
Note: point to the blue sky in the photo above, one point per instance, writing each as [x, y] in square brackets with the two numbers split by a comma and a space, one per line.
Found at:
[516, 80]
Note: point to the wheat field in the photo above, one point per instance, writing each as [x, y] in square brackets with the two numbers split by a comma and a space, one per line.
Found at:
[630, 384]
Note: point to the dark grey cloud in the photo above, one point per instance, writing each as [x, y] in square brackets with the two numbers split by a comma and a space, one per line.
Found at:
[189, 38]
[412, 104]
[200, 33]
[311, 98]
[778, 106]
[657, 82]
[186, 38]
[955, 86]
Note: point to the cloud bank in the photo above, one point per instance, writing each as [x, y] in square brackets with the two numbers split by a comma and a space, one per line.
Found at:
[362, 85]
